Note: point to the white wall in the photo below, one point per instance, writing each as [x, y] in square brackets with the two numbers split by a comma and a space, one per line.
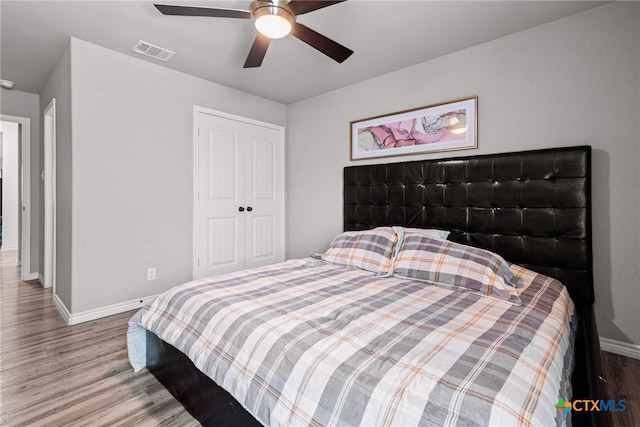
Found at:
[23, 104]
[10, 184]
[133, 171]
[574, 81]
[58, 86]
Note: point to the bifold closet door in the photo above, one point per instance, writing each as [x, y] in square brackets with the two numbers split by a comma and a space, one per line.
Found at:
[264, 196]
[240, 190]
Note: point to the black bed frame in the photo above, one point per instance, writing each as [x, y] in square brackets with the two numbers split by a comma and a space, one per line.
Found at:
[532, 207]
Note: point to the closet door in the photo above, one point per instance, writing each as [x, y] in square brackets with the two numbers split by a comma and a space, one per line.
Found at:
[240, 190]
[264, 188]
[220, 181]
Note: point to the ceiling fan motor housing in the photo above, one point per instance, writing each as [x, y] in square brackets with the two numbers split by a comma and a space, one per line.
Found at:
[275, 8]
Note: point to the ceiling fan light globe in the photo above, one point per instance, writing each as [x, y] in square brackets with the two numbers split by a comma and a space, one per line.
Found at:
[273, 26]
[273, 18]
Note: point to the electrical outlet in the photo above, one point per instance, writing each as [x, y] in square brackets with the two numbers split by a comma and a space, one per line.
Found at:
[151, 273]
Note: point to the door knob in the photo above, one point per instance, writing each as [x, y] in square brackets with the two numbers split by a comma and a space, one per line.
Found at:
[249, 208]
[241, 209]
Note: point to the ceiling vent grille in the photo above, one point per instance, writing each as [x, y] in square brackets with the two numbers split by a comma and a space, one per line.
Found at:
[153, 51]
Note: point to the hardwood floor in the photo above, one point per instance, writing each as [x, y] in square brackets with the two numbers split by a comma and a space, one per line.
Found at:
[623, 381]
[52, 374]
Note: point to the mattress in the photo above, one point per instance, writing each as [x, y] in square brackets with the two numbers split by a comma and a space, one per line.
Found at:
[306, 342]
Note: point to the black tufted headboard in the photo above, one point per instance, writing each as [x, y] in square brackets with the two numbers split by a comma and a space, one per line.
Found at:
[531, 207]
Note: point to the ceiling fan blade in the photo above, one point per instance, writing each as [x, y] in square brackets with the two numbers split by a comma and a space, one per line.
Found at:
[257, 52]
[332, 49]
[300, 7]
[166, 9]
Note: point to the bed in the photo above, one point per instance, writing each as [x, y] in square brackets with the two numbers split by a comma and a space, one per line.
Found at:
[532, 208]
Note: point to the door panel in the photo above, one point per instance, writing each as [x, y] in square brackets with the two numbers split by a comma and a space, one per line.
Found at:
[263, 247]
[222, 165]
[263, 154]
[222, 251]
[265, 194]
[221, 178]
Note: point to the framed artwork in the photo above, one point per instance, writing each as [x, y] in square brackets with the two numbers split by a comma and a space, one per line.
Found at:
[451, 125]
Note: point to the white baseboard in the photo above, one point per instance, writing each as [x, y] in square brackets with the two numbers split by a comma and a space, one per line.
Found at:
[621, 348]
[62, 309]
[97, 313]
[31, 276]
[41, 280]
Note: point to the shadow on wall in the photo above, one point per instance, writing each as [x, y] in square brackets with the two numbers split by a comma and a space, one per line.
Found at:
[601, 224]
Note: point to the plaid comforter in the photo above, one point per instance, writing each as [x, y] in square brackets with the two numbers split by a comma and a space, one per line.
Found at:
[306, 342]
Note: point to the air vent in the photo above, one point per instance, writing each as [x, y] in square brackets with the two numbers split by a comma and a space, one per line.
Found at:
[153, 51]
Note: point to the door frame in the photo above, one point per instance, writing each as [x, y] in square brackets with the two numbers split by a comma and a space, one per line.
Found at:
[25, 194]
[197, 110]
[49, 175]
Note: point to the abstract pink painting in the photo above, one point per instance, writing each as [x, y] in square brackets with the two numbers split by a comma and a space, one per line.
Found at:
[440, 127]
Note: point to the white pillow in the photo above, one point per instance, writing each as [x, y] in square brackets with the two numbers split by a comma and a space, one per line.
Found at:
[429, 232]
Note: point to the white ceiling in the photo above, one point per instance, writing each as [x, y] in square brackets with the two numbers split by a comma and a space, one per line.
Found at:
[385, 35]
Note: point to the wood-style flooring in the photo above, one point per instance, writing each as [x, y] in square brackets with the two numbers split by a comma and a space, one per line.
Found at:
[52, 374]
[623, 382]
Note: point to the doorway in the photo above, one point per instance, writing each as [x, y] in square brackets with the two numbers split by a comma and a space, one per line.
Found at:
[49, 178]
[23, 215]
[10, 176]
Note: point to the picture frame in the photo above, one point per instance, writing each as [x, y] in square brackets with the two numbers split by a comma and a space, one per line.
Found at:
[447, 126]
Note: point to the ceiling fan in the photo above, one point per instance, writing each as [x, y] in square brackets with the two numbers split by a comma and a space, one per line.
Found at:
[273, 19]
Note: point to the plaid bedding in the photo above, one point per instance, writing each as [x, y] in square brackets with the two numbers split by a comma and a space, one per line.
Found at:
[371, 250]
[306, 342]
